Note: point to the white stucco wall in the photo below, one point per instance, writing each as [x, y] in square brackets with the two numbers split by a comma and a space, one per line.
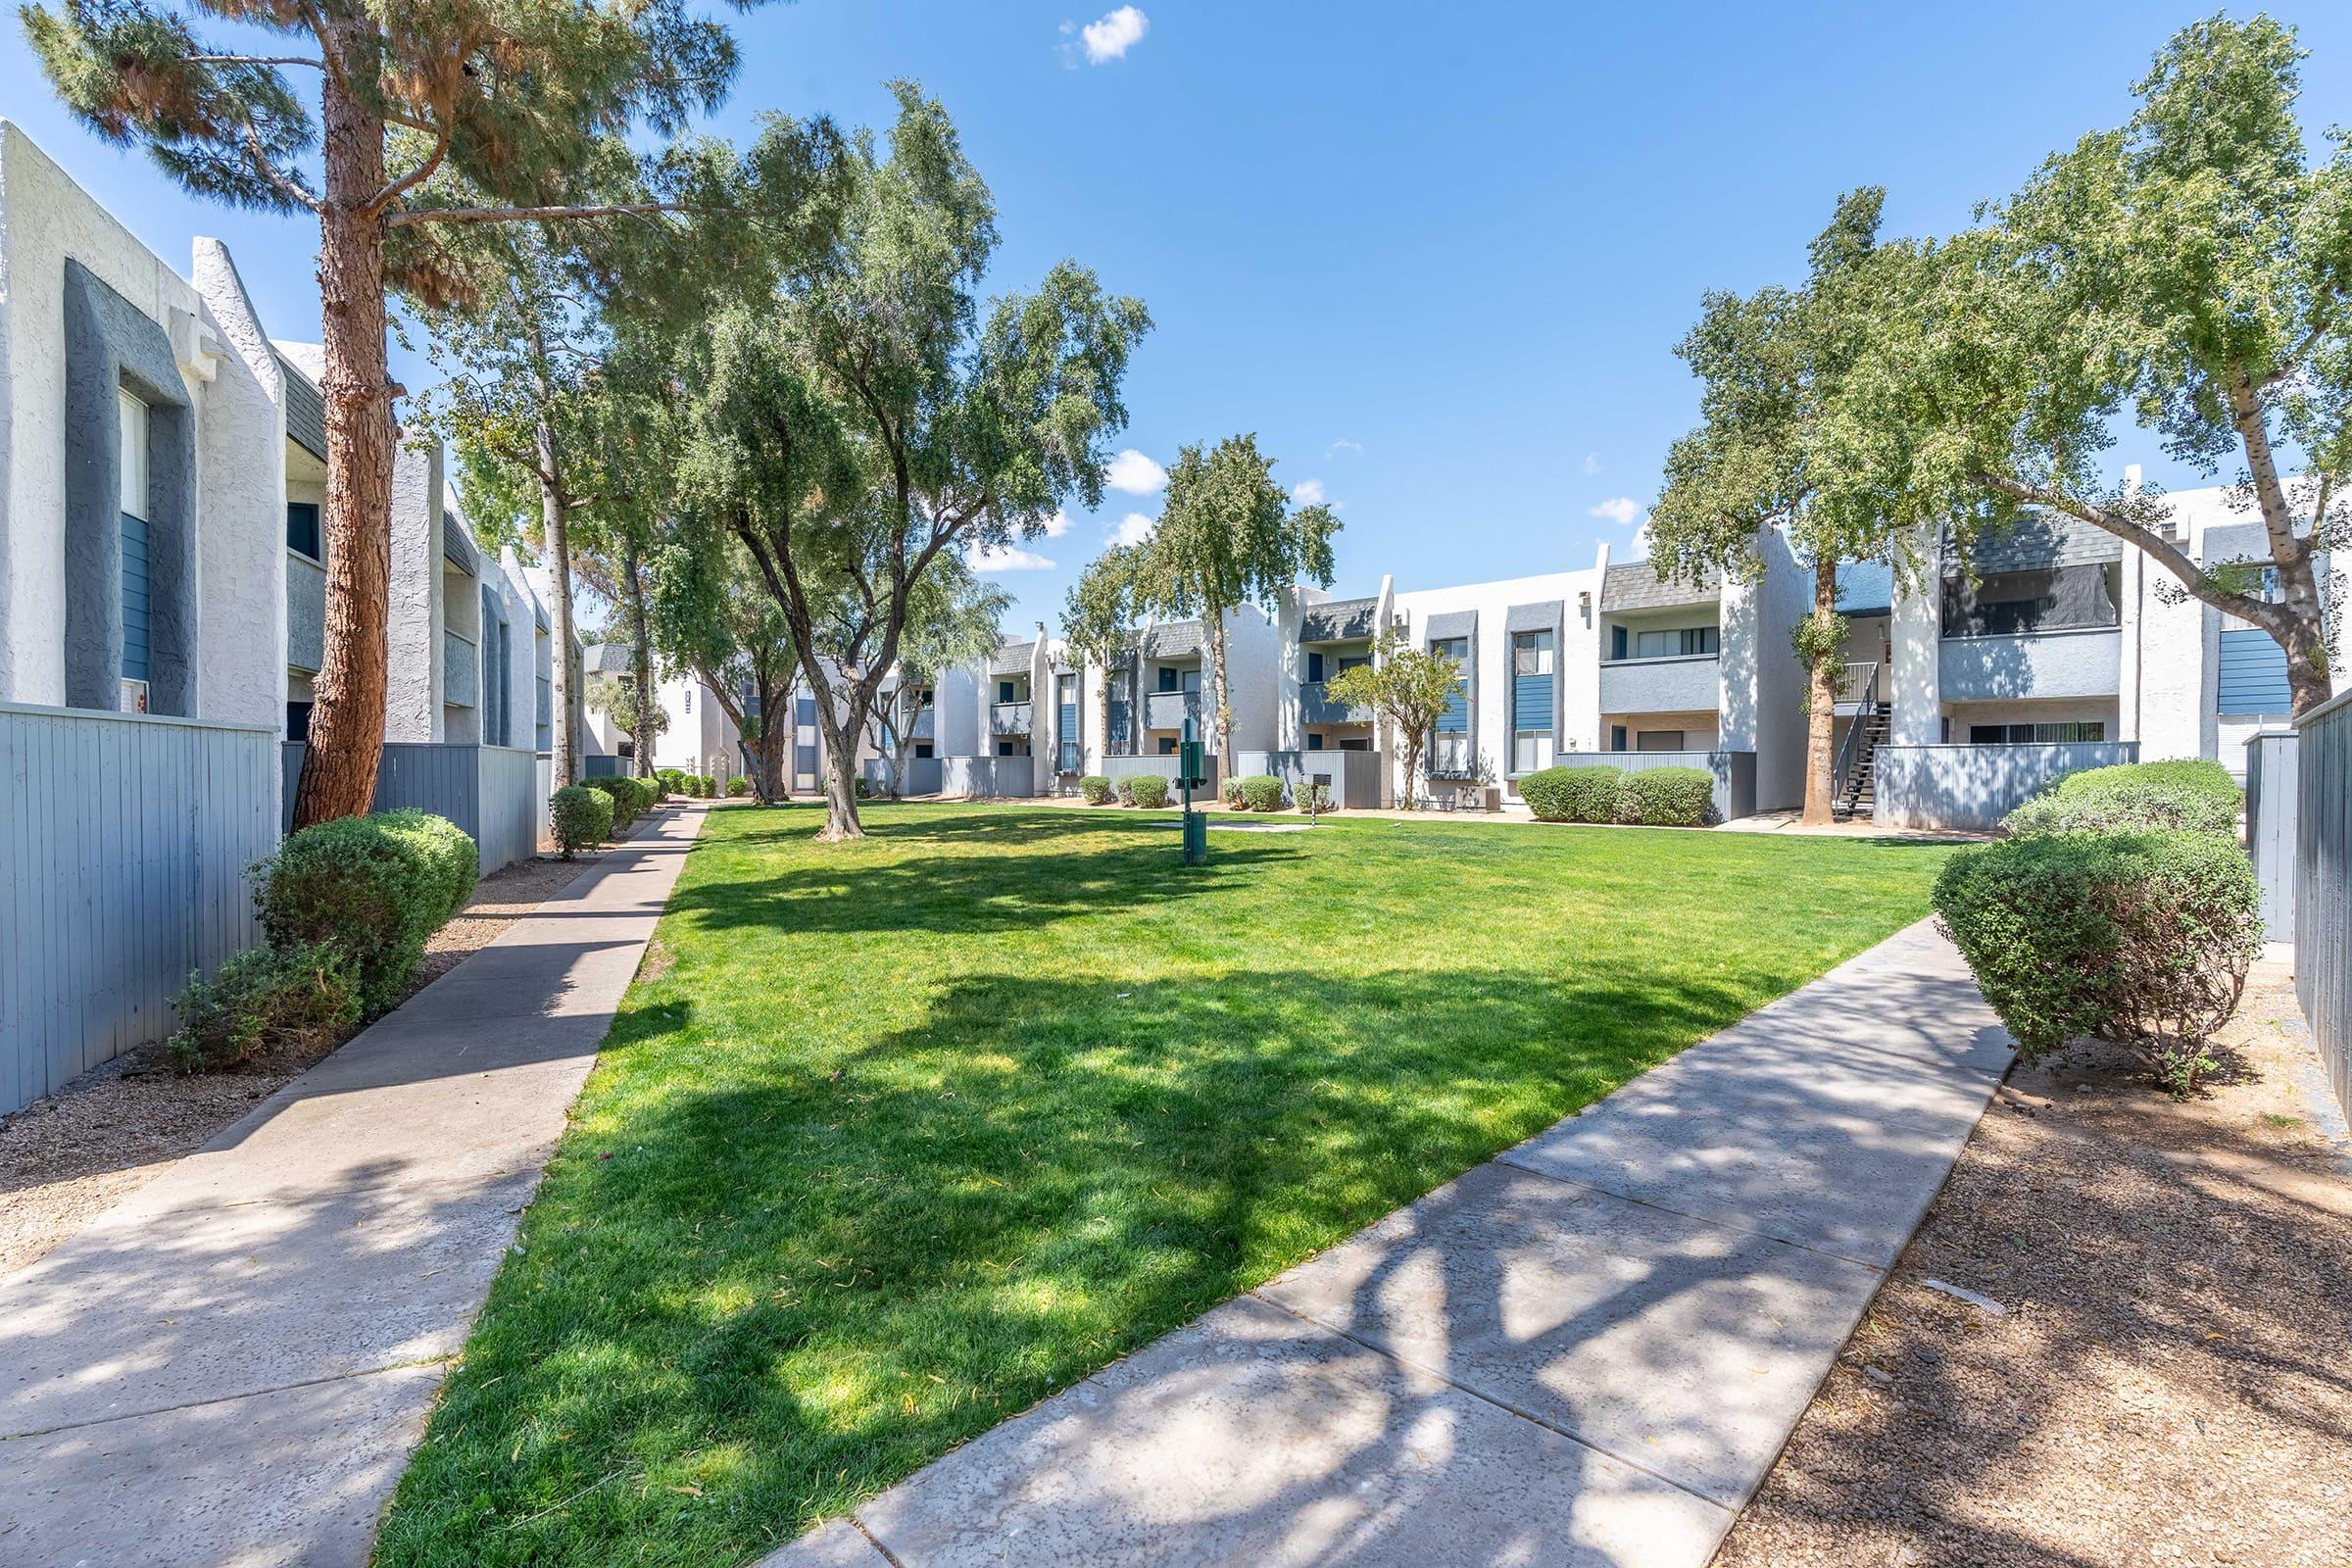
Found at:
[1783, 596]
[1917, 629]
[412, 653]
[46, 220]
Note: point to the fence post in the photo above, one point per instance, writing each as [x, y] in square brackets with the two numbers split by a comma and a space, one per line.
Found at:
[2271, 780]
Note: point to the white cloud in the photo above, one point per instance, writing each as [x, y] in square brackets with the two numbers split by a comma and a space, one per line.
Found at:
[1638, 550]
[1058, 524]
[1007, 558]
[1342, 444]
[1622, 510]
[1591, 463]
[1308, 492]
[1109, 36]
[1136, 475]
[1133, 529]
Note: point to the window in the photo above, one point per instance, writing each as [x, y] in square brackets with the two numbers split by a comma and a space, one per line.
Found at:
[1348, 661]
[922, 751]
[131, 501]
[2013, 604]
[1314, 740]
[690, 700]
[298, 721]
[302, 528]
[1004, 747]
[1004, 691]
[1681, 641]
[1355, 743]
[1167, 746]
[1532, 656]
[1659, 740]
[1616, 737]
[1449, 753]
[2056, 734]
[1314, 666]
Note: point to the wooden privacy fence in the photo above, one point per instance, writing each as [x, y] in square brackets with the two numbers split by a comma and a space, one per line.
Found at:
[2322, 898]
[123, 864]
[492, 792]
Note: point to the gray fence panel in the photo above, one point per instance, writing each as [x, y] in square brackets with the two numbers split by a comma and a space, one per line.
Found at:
[1116, 768]
[489, 791]
[2324, 884]
[121, 870]
[921, 776]
[2271, 789]
[1971, 788]
[1352, 776]
[998, 778]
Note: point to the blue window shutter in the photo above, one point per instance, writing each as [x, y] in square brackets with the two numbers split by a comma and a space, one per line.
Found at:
[2253, 674]
[1455, 721]
[1530, 702]
[134, 598]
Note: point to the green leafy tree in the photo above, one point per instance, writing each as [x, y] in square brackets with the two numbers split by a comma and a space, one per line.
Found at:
[1098, 618]
[1410, 688]
[1227, 537]
[1778, 374]
[711, 613]
[618, 700]
[868, 422]
[429, 122]
[951, 619]
[2190, 272]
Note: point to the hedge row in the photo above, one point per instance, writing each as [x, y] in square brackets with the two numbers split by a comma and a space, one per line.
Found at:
[2197, 797]
[1653, 796]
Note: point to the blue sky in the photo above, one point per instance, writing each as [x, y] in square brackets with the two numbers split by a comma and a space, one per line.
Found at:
[1436, 257]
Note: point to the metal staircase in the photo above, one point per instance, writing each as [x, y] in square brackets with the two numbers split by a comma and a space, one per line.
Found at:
[1856, 791]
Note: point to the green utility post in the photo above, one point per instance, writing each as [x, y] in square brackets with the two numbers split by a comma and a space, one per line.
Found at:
[1189, 775]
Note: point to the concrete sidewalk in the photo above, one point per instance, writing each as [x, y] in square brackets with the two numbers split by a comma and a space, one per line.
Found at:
[1588, 1350]
[232, 1365]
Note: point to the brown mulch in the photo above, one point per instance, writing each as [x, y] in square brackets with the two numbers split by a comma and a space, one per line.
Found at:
[2172, 1379]
[68, 1158]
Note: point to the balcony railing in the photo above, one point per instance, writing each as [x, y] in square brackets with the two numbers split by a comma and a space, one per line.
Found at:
[460, 670]
[2085, 662]
[1008, 718]
[1315, 706]
[1688, 683]
[1170, 709]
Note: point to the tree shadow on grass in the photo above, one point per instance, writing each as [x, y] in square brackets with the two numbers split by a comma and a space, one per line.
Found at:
[795, 1281]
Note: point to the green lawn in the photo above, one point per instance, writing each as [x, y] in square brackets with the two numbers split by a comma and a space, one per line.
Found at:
[892, 1139]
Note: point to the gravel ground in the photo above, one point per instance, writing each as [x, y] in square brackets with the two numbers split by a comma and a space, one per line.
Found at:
[2171, 1380]
[66, 1159]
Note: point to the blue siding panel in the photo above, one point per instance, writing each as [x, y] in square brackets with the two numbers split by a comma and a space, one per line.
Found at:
[2253, 674]
[134, 598]
[1530, 702]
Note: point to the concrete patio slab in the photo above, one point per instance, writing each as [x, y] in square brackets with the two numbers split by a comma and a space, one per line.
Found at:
[1589, 1350]
[240, 1355]
[1689, 1347]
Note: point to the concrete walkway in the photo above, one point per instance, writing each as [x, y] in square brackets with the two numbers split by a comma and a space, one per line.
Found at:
[232, 1365]
[1587, 1352]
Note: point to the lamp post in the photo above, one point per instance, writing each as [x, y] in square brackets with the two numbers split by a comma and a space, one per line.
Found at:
[1187, 771]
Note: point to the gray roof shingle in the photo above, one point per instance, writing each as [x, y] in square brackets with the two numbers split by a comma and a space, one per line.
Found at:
[2040, 540]
[1013, 659]
[1338, 620]
[1173, 640]
[305, 409]
[1636, 585]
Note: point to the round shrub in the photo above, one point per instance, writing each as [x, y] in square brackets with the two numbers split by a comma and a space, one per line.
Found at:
[674, 779]
[1574, 794]
[618, 790]
[1260, 792]
[1147, 789]
[580, 817]
[371, 887]
[1126, 791]
[739, 786]
[263, 997]
[1096, 789]
[1230, 793]
[2139, 938]
[1667, 797]
[2197, 797]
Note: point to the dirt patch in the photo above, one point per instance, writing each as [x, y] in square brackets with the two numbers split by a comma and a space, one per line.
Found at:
[2167, 1382]
[66, 1159]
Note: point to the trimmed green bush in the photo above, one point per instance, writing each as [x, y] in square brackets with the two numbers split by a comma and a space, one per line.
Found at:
[373, 888]
[1260, 792]
[1147, 789]
[1667, 797]
[580, 817]
[1096, 789]
[617, 788]
[1126, 792]
[2191, 796]
[1573, 794]
[674, 779]
[739, 786]
[263, 997]
[2142, 938]
[1228, 794]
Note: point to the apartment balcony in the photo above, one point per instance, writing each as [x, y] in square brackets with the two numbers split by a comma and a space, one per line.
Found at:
[460, 670]
[1008, 718]
[306, 611]
[1686, 683]
[1315, 706]
[2088, 663]
[1170, 709]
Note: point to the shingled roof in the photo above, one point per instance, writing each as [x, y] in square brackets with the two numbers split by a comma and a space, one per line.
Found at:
[2040, 540]
[1636, 585]
[1173, 640]
[1339, 621]
[305, 409]
[1013, 659]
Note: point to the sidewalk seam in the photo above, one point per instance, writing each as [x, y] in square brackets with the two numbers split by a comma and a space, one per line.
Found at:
[230, 1399]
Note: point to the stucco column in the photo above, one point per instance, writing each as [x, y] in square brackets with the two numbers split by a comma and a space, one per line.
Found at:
[1736, 663]
[1916, 627]
[1044, 713]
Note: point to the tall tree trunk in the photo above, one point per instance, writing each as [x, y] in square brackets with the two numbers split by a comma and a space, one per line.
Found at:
[1224, 713]
[2301, 628]
[774, 740]
[1821, 705]
[840, 733]
[641, 663]
[554, 530]
[347, 714]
